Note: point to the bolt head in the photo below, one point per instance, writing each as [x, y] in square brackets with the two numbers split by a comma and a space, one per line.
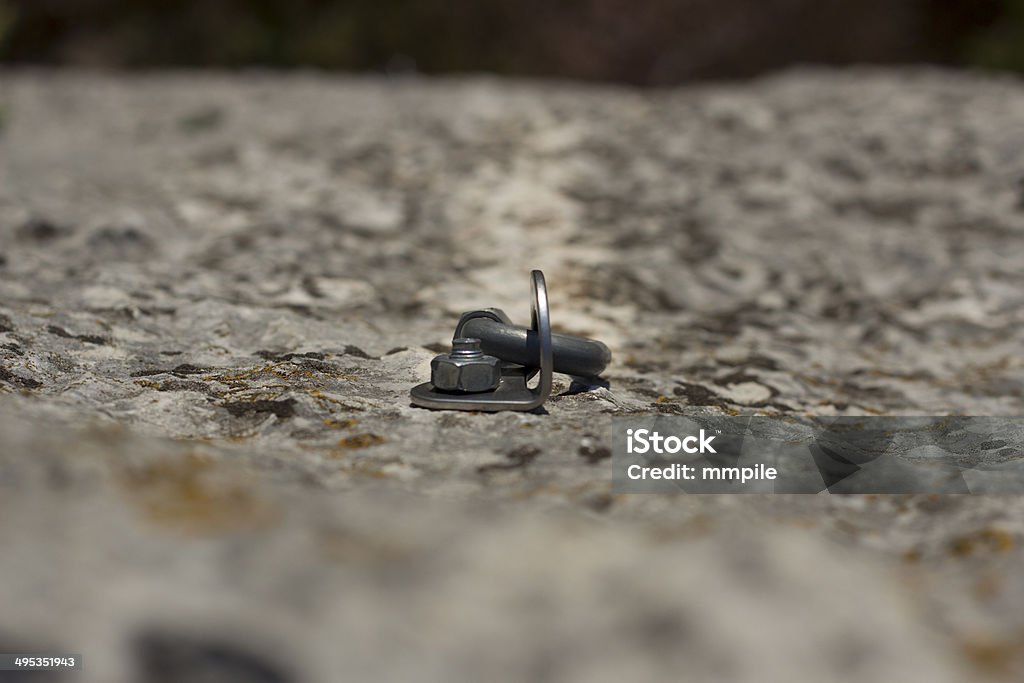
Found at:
[465, 375]
[466, 347]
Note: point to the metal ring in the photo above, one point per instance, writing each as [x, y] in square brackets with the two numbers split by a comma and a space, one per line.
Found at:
[512, 393]
[499, 337]
[541, 319]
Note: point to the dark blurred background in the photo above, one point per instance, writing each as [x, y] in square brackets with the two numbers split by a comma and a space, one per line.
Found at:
[651, 42]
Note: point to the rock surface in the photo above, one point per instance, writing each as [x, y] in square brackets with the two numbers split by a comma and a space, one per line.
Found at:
[216, 291]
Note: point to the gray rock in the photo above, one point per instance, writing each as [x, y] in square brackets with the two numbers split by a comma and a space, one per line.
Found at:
[209, 466]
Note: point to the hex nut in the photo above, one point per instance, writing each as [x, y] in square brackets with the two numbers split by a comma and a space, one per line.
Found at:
[469, 375]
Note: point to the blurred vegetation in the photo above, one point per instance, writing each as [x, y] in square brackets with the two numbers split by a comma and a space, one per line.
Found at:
[6, 20]
[1001, 45]
[634, 41]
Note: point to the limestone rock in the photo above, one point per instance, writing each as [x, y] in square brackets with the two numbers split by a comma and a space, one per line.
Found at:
[209, 466]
